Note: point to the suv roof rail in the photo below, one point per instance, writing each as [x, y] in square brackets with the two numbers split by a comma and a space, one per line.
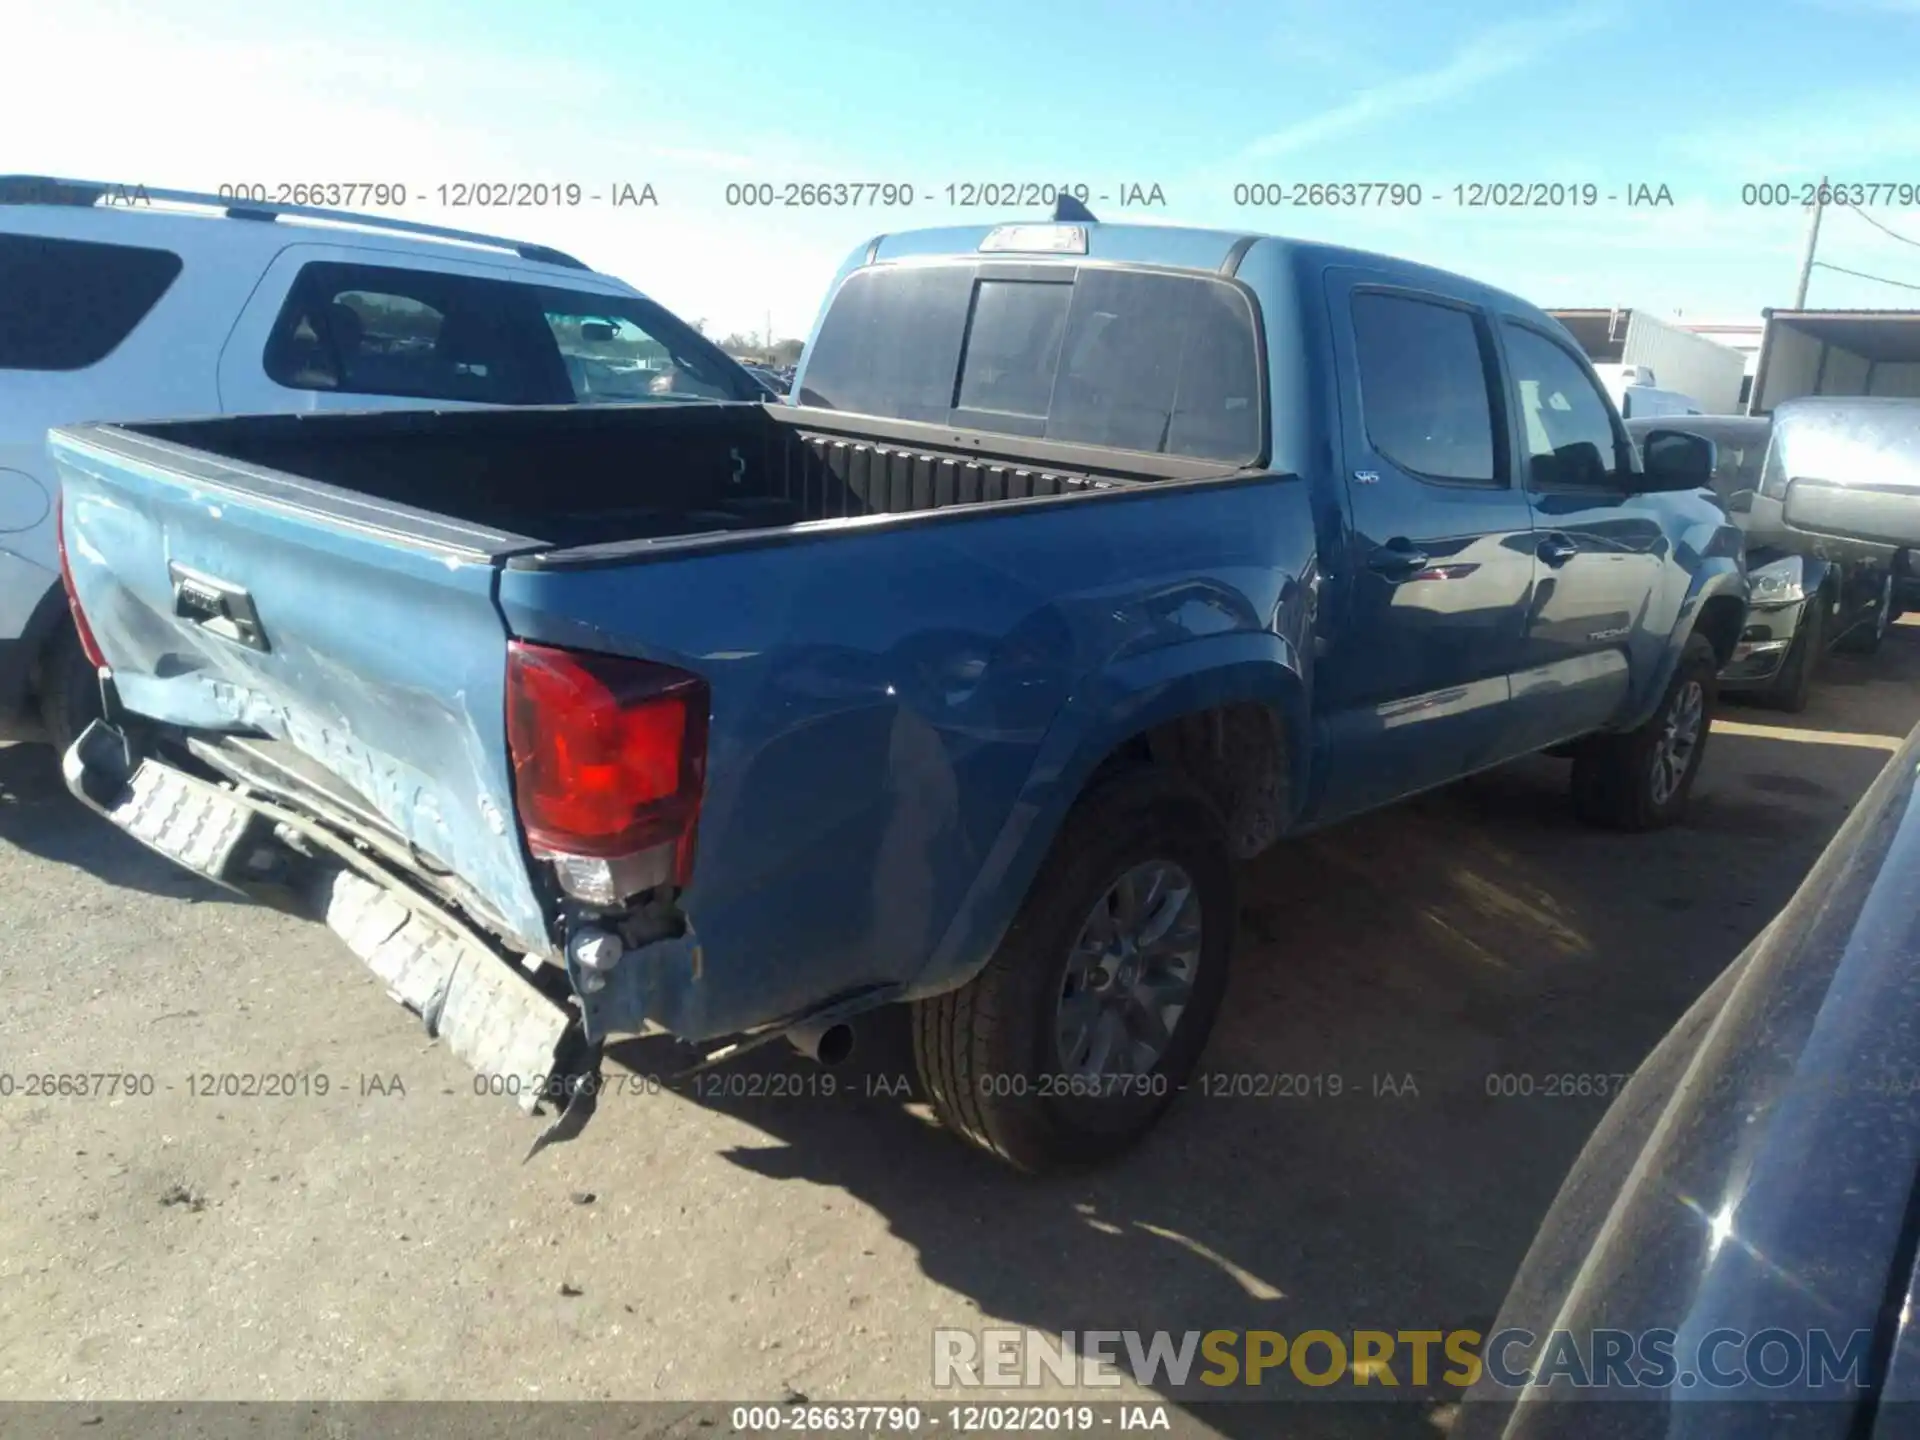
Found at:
[48, 190]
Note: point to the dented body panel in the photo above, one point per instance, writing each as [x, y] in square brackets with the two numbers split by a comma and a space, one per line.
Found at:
[383, 659]
[920, 640]
[901, 717]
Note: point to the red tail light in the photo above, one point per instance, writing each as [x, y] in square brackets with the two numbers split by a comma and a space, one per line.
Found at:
[88, 644]
[609, 754]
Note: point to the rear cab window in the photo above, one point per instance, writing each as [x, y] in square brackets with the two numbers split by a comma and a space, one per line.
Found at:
[1128, 358]
[68, 304]
[432, 335]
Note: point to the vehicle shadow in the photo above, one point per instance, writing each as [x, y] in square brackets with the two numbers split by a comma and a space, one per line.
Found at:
[39, 817]
[1428, 1010]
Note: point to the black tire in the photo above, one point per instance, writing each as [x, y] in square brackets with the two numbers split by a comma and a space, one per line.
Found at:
[1792, 684]
[69, 688]
[988, 1053]
[1865, 638]
[1614, 781]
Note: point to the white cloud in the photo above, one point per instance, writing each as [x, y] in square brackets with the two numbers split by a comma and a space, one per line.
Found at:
[1484, 57]
[1314, 33]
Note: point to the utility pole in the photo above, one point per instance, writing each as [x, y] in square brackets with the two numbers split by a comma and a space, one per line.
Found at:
[1813, 238]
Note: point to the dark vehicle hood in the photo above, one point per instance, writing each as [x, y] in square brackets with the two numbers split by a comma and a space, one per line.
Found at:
[1759, 1169]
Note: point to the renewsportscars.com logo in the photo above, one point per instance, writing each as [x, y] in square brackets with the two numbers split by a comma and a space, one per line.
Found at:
[1810, 1363]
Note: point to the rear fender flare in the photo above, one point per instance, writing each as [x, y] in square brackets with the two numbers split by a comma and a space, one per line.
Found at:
[1128, 697]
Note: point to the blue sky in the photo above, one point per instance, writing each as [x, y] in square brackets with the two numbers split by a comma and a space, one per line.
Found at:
[1700, 97]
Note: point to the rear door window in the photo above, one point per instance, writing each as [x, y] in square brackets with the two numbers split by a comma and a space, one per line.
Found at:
[1131, 359]
[379, 330]
[1424, 394]
[67, 304]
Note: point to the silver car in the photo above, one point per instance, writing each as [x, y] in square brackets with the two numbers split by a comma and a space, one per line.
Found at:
[1811, 592]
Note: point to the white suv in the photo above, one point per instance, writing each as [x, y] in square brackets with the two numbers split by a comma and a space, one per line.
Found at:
[120, 303]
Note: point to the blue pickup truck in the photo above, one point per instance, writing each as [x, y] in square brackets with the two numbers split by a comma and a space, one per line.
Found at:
[1083, 561]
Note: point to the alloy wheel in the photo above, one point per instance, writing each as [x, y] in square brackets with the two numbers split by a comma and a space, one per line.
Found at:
[1130, 973]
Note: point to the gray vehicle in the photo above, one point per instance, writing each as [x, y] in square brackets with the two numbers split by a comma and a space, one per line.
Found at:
[1811, 592]
[1851, 481]
[1753, 1187]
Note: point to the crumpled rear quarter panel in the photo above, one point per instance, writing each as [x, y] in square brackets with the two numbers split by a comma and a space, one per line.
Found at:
[386, 662]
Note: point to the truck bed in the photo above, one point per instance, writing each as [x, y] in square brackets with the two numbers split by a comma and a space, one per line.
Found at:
[559, 478]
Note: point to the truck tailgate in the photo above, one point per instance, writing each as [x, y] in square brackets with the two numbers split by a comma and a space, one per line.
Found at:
[366, 635]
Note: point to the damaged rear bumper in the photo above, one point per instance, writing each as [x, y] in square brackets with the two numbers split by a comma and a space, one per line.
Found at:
[488, 1010]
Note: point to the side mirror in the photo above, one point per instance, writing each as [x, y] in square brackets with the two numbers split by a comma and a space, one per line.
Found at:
[1872, 515]
[1677, 460]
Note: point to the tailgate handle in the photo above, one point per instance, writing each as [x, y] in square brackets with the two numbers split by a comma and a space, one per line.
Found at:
[217, 605]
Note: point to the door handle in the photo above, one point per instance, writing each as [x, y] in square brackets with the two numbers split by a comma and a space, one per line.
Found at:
[1557, 550]
[1396, 559]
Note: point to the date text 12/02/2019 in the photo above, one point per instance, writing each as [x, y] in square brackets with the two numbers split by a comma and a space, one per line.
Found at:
[1468, 195]
[449, 195]
[991, 1418]
[953, 195]
[631, 194]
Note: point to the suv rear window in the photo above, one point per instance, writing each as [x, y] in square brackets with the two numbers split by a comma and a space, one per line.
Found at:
[1133, 359]
[427, 334]
[66, 304]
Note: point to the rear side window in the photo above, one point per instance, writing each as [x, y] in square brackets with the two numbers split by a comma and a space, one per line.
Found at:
[378, 330]
[67, 304]
[1424, 396]
[1132, 359]
[371, 330]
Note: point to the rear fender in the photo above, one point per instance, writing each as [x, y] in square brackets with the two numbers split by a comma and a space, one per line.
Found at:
[1126, 699]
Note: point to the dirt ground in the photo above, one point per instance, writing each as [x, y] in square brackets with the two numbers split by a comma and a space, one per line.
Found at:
[385, 1241]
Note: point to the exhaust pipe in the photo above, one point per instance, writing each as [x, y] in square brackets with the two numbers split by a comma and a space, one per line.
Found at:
[829, 1043]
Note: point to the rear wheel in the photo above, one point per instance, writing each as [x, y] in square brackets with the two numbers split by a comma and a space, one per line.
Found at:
[1080, 1031]
[69, 688]
[1641, 780]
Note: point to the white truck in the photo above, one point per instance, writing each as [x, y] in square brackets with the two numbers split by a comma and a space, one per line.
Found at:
[1653, 366]
[1638, 395]
[1866, 353]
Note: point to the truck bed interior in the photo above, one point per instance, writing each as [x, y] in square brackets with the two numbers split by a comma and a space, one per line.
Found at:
[575, 475]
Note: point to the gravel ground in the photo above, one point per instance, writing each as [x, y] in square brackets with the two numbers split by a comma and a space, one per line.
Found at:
[386, 1240]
